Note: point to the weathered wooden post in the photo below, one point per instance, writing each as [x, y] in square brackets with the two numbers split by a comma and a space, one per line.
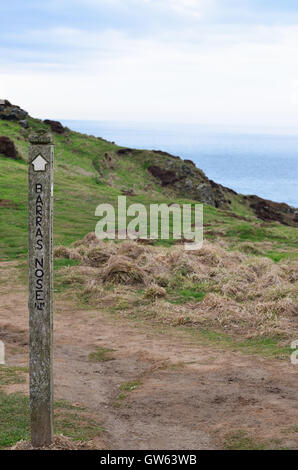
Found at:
[40, 221]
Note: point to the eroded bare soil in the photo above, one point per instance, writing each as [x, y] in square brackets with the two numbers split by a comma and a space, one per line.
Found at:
[188, 396]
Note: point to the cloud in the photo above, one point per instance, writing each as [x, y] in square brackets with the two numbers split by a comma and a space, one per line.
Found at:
[161, 60]
[123, 78]
[194, 8]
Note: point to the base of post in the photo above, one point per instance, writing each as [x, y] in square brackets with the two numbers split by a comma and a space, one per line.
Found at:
[41, 427]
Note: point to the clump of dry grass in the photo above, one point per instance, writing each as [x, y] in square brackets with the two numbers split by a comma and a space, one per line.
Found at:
[162, 279]
[122, 270]
[78, 274]
[234, 290]
[209, 254]
[68, 253]
[250, 248]
[88, 240]
[62, 252]
[93, 290]
[79, 251]
[245, 294]
[171, 314]
[132, 249]
[96, 256]
[154, 291]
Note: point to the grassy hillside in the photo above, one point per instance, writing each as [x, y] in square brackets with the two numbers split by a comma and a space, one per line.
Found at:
[240, 290]
[90, 171]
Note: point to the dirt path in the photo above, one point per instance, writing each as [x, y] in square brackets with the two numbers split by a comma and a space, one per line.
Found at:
[189, 396]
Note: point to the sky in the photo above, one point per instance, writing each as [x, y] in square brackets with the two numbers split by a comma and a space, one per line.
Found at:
[214, 62]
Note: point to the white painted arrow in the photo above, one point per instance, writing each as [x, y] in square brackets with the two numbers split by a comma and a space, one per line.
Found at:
[39, 163]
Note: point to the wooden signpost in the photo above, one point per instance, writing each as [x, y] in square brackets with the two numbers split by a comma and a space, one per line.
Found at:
[40, 228]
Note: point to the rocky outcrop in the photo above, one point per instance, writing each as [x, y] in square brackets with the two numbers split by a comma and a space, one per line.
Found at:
[165, 176]
[272, 211]
[10, 112]
[189, 181]
[5, 103]
[24, 123]
[124, 151]
[206, 194]
[186, 179]
[222, 194]
[55, 126]
[7, 148]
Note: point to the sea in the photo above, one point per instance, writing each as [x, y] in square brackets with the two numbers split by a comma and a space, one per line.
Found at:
[251, 162]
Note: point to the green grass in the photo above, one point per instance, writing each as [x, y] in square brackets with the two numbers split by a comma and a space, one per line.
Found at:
[72, 421]
[62, 262]
[265, 346]
[15, 420]
[186, 295]
[277, 256]
[240, 440]
[126, 388]
[101, 355]
[130, 385]
[279, 234]
[12, 375]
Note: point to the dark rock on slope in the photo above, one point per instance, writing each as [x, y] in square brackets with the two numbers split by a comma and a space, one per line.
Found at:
[24, 123]
[272, 211]
[186, 179]
[7, 148]
[9, 112]
[189, 181]
[55, 126]
[124, 151]
[165, 176]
